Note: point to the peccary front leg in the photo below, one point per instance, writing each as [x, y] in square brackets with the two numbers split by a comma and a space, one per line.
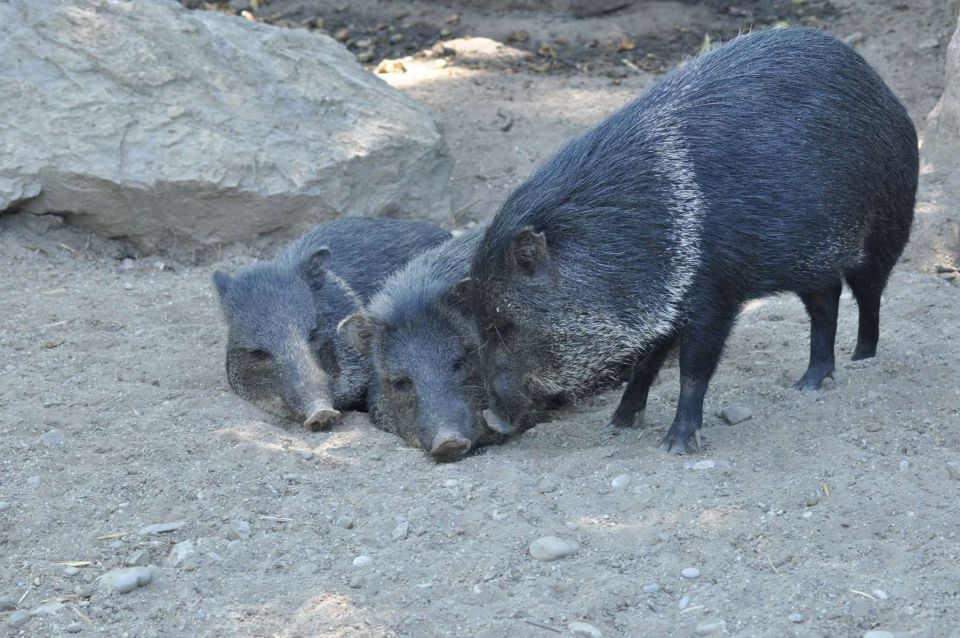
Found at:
[822, 308]
[630, 411]
[350, 386]
[701, 345]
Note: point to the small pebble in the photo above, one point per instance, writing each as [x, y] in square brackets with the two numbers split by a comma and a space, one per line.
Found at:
[33, 480]
[357, 581]
[904, 465]
[117, 545]
[499, 516]
[953, 470]
[182, 555]
[684, 602]
[71, 571]
[401, 530]
[346, 522]
[8, 603]
[735, 413]
[306, 455]
[18, 618]
[620, 481]
[127, 263]
[238, 530]
[879, 594]
[53, 438]
[73, 628]
[162, 528]
[127, 285]
[795, 618]
[126, 579]
[451, 483]
[362, 561]
[586, 630]
[651, 588]
[703, 465]
[878, 633]
[550, 548]
[708, 627]
[4, 506]
[546, 485]
[139, 558]
[690, 572]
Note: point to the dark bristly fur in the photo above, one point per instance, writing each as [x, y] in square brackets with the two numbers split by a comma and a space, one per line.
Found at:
[282, 314]
[779, 162]
[426, 386]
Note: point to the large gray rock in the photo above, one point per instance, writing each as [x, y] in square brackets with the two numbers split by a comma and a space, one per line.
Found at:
[936, 234]
[168, 127]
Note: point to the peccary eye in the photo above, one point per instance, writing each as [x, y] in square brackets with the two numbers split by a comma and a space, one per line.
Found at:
[402, 384]
[258, 355]
[460, 363]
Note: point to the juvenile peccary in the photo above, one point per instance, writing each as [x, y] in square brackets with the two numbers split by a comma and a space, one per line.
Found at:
[778, 162]
[282, 314]
[426, 385]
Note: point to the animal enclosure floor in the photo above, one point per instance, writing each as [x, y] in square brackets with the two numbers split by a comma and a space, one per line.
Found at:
[825, 514]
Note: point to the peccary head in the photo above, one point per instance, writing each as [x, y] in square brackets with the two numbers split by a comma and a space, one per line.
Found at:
[544, 338]
[427, 387]
[277, 336]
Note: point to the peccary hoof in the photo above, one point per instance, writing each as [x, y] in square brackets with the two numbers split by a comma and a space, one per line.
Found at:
[321, 418]
[680, 444]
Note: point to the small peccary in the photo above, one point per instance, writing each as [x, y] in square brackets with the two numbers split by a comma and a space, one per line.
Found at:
[779, 162]
[282, 314]
[426, 385]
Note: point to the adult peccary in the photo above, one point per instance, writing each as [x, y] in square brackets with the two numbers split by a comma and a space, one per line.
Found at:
[777, 162]
[282, 314]
[426, 385]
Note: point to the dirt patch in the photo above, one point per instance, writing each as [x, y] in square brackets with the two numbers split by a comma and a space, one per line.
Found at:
[825, 514]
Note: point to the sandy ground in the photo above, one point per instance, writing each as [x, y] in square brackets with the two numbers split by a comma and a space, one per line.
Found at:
[825, 514]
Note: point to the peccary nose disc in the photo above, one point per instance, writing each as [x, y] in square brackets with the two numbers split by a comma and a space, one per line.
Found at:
[449, 447]
[322, 416]
[497, 424]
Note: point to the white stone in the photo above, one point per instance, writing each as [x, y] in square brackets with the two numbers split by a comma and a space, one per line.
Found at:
[550, 548]
[126, 579]
[580, 628]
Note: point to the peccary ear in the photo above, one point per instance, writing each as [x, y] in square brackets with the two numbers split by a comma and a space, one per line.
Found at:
[222, 281]
[314, 268]
[529, 250]
[459, 294]
[357, 330]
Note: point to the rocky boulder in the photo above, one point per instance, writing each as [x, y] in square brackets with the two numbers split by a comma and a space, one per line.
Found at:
[936, 235]
[146, 121]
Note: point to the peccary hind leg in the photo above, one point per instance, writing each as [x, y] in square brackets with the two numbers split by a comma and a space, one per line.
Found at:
[701, 345]
[630, 411]
[867, 288]
[822, 307]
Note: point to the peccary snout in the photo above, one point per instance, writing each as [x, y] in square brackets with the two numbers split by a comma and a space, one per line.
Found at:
[449, 445]
[320, 416]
